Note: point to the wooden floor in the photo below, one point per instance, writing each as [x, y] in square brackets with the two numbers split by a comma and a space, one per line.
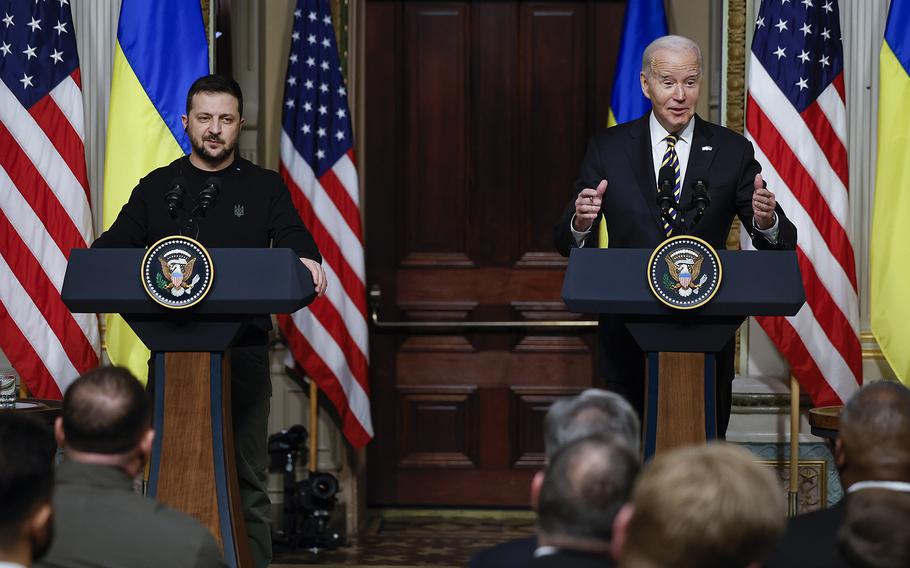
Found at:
[419, 538]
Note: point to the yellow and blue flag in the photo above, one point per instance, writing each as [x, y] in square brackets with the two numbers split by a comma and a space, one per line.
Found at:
[645, 21]
[889, 269]
[161, 49]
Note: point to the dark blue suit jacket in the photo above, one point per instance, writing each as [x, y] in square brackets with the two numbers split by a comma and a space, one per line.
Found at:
[512, 554]
[810, 541]
[622, 155]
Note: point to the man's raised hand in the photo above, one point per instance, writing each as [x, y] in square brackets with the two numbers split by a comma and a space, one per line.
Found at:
[587, 206]
[763, 204]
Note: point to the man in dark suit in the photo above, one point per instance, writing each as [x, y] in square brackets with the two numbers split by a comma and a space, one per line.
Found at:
[26, 485]
[99, 520]
[617, 185]
[581, 491]
[594, 411]
[871, 452]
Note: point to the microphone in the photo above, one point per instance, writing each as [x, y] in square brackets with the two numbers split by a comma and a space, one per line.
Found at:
[666, 182]
[700, 199]
[174, 196]
[209, 193]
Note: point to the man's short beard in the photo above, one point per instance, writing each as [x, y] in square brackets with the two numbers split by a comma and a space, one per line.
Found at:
[199, 150]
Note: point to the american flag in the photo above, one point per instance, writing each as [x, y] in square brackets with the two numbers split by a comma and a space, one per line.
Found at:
[796, 118]
[329, 338]
[44, 196]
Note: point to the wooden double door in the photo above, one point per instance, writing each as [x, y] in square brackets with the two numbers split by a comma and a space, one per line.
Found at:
[477, 118]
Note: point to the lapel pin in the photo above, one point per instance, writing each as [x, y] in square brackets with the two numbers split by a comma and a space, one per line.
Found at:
[707, 148]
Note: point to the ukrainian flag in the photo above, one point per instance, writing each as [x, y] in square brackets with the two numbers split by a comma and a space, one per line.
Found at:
[161, 49]
[889, 268]
[645, 21]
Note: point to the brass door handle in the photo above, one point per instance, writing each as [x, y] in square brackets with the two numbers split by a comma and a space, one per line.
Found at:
[375, 295]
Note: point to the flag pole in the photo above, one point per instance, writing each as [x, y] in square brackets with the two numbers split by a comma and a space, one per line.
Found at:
[314, 424]
[792, 494]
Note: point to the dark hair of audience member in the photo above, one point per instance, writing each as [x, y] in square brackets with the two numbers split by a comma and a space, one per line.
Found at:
[27, 450]
[215, 84]
[879, 412]
[876, 529]
[105, 411]
[585, 485]
[594, 411]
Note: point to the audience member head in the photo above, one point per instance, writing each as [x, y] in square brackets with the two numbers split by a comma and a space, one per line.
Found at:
[106, 420]
[874, 429]
[594, 411]
[875, 533]
[583, 488]
[700, 507]
[26, 482]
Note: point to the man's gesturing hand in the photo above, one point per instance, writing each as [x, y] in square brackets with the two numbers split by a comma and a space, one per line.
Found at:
[763, 204]
[587, 206]
[319, 279]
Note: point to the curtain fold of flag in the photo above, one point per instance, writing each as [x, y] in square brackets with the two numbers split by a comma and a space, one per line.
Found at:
[329, 339]
[889, 269]
[645, 21]
[796, 120]
[44, 197]
[161, 49]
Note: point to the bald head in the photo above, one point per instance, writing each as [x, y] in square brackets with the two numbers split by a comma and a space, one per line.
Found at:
[874, 429]
[584, 487]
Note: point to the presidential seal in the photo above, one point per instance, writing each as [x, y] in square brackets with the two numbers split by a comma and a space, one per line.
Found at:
[684, 272]
[177, 272]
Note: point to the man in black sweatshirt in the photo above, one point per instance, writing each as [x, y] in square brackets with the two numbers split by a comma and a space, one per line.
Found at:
[254, 210]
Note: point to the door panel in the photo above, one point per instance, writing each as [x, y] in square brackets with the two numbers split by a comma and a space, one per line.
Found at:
[477, 116]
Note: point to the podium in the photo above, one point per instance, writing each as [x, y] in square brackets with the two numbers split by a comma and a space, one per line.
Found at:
[680, 345]
[192, 466]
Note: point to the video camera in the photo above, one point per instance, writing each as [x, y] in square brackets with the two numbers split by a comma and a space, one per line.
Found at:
[307, 503]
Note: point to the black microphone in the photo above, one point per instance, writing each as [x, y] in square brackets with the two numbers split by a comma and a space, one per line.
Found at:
[700, 198]
[209, 193]
[666, 183]
[174, 196]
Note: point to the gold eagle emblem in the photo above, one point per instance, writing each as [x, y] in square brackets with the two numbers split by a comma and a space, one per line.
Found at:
[178, 279]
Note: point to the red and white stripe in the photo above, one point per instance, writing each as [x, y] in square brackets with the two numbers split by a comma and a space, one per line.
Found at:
[329, 339]
[804, 161]
[44, 213]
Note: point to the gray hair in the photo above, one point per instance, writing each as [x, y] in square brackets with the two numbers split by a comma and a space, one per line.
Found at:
[594, 411]
[672, 43]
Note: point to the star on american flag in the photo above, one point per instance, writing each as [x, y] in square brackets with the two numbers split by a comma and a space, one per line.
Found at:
[800, 60]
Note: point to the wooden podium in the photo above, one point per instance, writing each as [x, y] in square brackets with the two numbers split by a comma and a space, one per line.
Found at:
[681, 345]
[192, 467]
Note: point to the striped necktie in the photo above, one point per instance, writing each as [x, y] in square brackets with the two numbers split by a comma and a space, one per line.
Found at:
[671, 159]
